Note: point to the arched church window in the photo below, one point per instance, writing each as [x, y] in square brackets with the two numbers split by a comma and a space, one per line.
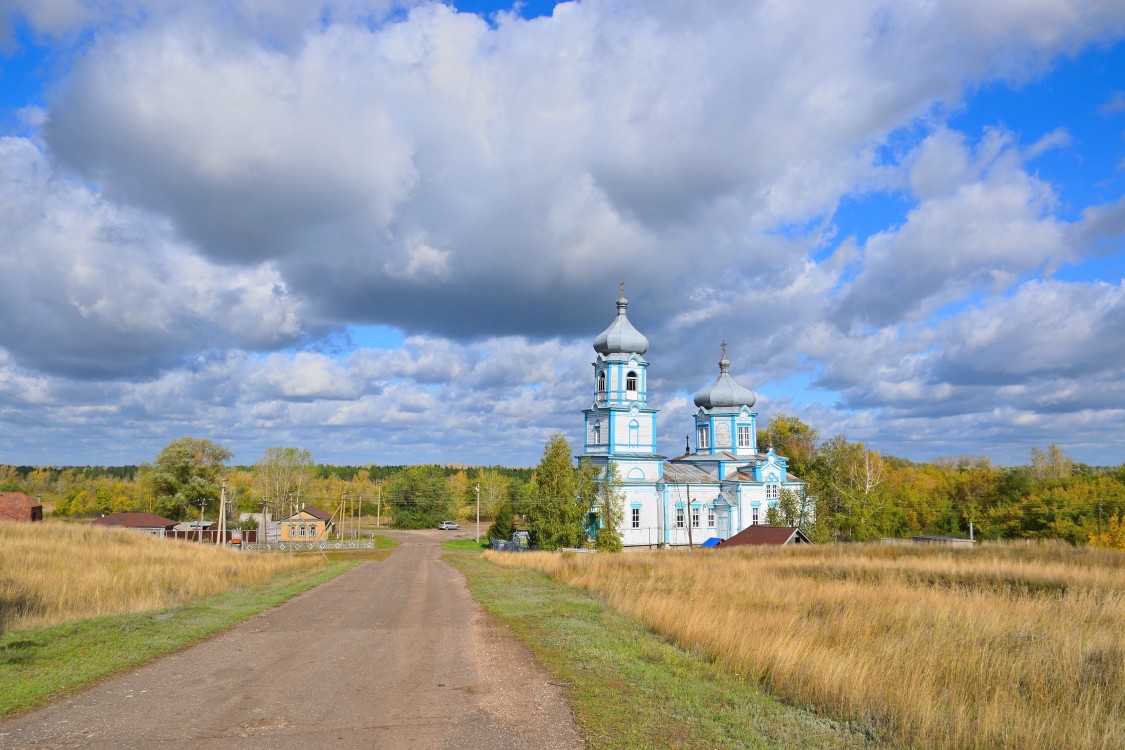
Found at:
[631, 381]
[601, 382]
[634, 432]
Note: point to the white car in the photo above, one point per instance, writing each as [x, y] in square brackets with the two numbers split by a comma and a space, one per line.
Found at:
[446, 525]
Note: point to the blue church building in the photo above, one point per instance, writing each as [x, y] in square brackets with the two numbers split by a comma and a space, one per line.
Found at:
[717, 490]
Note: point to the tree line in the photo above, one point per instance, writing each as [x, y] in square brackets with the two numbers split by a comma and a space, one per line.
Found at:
[851, 492]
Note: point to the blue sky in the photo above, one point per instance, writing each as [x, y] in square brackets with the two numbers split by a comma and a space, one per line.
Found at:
[389, 231]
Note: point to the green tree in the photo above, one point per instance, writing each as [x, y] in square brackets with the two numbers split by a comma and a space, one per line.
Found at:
[793, 509]
[185, 473]
[793, 439]
[557, 508]
[610, 505]
[418, 498]
[850, 480]
[504, 525]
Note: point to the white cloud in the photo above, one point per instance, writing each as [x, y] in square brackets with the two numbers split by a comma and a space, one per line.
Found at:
[217, 180]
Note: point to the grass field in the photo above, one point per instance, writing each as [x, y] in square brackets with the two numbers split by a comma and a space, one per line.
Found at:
[633, 690]
[54, 572]
[464, 545]
[995, 647]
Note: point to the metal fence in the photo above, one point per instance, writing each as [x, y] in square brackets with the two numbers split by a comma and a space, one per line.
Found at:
[325, 545]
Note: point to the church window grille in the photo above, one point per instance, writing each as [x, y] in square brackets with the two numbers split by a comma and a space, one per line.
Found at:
[679, 518]
[601, 382]
[704, 438]
[695, 518]
[631, 381]
[636, 518]
[710, 518]
[745, 439]
[773, 491]
[754, 518]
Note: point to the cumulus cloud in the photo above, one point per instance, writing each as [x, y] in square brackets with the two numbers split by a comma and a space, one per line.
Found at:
[95, 289]
[216, 189]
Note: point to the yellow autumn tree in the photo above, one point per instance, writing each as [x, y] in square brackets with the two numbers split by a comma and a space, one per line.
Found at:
[1113, 537]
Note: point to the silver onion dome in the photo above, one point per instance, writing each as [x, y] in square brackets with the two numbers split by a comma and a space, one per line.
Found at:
[621, 337]
[724, 391]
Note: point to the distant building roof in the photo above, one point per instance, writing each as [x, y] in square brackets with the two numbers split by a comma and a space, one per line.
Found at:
[19, 506]
[768, 535]
[136, 521]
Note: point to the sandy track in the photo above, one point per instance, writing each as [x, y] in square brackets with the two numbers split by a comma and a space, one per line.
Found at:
[393, 654]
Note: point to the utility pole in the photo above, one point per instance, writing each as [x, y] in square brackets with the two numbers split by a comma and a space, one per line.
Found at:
[1099, 516]
[221, 534]
[343, 510]
[202, 504]
[263, 533]
[478, 512]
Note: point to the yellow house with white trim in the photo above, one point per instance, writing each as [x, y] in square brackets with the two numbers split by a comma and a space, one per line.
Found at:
[306, 525]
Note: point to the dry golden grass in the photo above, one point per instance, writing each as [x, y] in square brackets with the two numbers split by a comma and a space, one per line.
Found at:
[1003, 646]
[55, 572]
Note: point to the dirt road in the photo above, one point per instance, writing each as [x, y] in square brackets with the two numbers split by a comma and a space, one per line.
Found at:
[393, 654]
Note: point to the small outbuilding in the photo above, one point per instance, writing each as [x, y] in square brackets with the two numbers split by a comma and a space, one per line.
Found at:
[306, 525]
[150, 523]
[773, 536]
[18, 506]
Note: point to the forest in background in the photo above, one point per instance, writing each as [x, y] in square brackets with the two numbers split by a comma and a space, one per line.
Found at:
[852, 493]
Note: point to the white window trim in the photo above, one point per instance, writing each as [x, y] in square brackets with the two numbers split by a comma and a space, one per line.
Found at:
[748, 432]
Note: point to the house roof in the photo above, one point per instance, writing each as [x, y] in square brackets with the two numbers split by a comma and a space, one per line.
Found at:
[18, 500]
[135, 521]
[17, 505]
[313, 511]
[768, 535]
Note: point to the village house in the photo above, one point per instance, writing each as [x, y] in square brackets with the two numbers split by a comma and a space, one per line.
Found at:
[306, 525]
[149, 523]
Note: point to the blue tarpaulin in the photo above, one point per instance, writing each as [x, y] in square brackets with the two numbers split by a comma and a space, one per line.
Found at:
[712, 542]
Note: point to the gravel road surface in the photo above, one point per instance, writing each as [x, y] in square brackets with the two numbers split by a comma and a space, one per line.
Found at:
[393, 654]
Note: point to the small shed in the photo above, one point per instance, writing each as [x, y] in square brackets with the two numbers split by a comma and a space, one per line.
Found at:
[18, 506]
[774, 536]
[306, 525]
[150, 523]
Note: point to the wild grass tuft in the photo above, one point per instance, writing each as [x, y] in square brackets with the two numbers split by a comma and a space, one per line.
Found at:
[53, 572]
[1002, 646]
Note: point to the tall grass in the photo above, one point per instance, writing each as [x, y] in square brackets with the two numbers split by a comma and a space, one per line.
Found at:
[56, 572]
[995, 647]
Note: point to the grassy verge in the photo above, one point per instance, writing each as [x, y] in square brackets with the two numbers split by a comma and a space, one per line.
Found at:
[40, 664]
[629, 687]
[464, 545]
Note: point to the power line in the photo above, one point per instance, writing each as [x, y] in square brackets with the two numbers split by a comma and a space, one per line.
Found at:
[62, 431]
